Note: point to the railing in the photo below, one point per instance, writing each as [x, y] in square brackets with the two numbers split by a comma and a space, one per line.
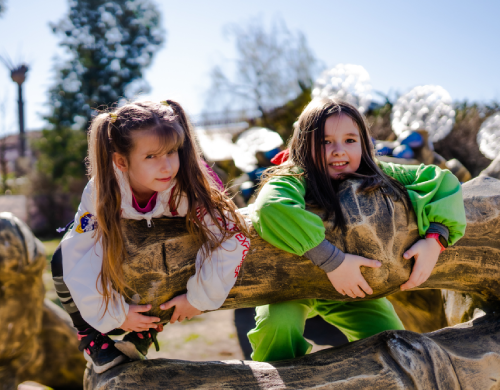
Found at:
[223, 118]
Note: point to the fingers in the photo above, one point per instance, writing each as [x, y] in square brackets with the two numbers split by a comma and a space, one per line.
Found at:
[370, 263]
[175, 316]
[139, 308]
[146, 320]
[412, 251]
[365, 286]
[357, 291]
[414, 281]
[169, 304]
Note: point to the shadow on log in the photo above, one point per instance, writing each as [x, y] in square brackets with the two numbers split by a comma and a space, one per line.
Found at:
[37, 342]
[467, 356]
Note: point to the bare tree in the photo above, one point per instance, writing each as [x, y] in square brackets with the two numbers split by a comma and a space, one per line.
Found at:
[271, 67]
[3, 6]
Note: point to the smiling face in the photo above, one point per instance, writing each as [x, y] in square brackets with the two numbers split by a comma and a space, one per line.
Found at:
[149, 169]
[342, 144]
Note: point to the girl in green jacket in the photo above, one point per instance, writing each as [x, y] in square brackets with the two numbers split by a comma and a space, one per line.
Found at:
[332, 142]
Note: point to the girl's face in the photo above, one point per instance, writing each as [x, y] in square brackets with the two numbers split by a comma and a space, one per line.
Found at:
[342, 145]
[149, 170]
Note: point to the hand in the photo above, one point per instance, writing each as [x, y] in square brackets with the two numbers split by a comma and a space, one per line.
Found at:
[347, 278]
[138, 322]
[426, 253]
[183, 309]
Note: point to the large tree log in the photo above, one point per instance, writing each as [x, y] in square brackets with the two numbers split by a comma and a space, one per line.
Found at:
[161, 259]
[465, 357]
[453, 358]
[36, 341]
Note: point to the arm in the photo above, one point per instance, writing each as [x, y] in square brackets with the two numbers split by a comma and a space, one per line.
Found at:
[436, 197]
[82, 261]
[215, 275]
[279, 217]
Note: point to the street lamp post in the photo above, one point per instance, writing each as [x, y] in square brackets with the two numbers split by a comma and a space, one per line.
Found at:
[18, 75]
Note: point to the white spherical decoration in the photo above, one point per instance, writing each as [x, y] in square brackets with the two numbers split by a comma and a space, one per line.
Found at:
[488, 137]
[426, 107]
[251, 141]
[346, 82]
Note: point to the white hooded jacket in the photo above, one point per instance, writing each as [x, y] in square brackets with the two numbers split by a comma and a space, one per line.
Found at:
[82, 259]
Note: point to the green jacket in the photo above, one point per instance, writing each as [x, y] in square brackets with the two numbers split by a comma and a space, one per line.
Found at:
[279, 215]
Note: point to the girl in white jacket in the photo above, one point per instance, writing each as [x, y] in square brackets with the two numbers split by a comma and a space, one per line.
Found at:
[143, 164]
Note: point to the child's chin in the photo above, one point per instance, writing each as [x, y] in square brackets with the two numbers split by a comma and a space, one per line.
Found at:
[337, 175]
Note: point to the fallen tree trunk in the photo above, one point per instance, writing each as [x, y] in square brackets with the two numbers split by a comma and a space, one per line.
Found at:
[161, 259]
[465, 357]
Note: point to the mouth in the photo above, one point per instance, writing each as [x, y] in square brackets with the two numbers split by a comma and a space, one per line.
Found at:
[165, 180]
[338, 164]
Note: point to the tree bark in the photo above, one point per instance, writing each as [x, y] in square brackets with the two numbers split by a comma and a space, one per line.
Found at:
[161, 259]
[463, 357]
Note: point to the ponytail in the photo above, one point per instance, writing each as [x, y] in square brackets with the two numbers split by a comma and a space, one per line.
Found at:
[107, 205]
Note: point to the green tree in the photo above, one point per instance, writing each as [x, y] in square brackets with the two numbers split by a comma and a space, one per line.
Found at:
[108, 44]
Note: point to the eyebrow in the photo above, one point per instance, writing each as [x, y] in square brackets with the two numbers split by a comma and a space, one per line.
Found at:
[348, 134]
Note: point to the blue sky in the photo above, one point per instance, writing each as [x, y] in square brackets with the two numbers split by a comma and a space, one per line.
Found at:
[402, 44]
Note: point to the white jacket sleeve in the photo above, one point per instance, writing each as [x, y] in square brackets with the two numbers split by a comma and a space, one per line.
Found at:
[210, 286]
[82, 261]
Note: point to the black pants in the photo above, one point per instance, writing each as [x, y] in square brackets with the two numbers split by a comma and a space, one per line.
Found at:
[65, 296]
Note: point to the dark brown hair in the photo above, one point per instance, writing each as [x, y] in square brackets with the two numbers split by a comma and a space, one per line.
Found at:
[112, 132]
[307, 151]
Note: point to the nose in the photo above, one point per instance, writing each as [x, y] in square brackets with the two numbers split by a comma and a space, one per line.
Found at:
[166, 165]
[337, 149]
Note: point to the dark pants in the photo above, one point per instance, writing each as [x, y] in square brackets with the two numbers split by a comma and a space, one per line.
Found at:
[65, 296]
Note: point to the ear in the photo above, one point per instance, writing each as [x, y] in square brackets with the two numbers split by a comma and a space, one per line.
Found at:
[120, 161]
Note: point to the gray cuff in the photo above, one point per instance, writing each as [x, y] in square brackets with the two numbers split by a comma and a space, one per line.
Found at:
[326, 256]
[439, 228]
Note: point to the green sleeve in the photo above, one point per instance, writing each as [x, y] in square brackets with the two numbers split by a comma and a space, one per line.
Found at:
[436, 196]
[280, 218]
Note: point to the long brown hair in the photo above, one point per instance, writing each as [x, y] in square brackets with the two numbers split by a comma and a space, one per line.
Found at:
[112, 132]
[307, 151]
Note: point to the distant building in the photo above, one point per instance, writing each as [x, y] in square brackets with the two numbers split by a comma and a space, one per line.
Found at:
[9, 149]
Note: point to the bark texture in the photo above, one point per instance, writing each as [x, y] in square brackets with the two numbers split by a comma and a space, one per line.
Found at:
[464, 357]
[161, 259]
[36, 342]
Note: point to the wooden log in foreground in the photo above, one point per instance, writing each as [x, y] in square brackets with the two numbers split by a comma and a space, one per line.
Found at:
[463, 357]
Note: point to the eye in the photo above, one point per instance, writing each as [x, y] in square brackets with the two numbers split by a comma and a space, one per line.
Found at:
[351, 140]
[150, 156]
[325, 142]
[173, 151]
